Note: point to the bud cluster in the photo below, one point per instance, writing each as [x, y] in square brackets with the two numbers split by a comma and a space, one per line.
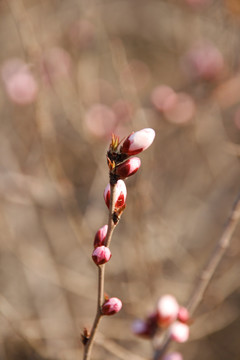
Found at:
[120, 166]
[168, 316]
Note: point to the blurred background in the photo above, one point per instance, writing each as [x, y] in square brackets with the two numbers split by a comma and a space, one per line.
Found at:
[73, 72]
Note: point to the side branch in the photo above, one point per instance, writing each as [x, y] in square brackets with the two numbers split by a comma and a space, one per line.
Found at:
[208, 271]
[215, 258]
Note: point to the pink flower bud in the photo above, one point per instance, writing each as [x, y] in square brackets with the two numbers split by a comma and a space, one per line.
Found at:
[183, 315]
[121, 194]
[101, 255]
[100, 236]
[128, 167]
[179, 332]
[138, 141]
[140, 328]
[111, 306]
[145, 328]
[173, 356]
[167, 308]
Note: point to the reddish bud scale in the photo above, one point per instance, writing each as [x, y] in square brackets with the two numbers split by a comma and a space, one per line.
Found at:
[111, 306]
[100, 236]
[101, 255]
[128, 167]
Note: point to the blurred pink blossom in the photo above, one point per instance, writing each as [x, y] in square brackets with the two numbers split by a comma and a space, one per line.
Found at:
[162, 96]
[179, 332]
[167, 308]
[183, 314]
[20, 84]
[100, 120]
[203, 61]
[56, 63]
[173, 356]
[181, 109]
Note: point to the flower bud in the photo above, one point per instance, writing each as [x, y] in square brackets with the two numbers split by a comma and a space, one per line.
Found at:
[138, 141]
[167, 308]
[128, 167]
[111, 306]
[173, 356]
[101, 255]
[100, 236]
[179, 332]
[140, 328]
[121, 194]
[183, 315]
[145, 328]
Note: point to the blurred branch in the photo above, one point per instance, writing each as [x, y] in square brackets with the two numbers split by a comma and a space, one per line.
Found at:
[208, 271]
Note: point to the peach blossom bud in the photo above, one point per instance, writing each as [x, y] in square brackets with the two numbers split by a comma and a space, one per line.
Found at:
[111, 306]
[173, 356]
[101, 255]
[183, 315]
[100, 236]
[167, 308]
[121, 194]
[179, 332]
[140, 328]
[138, 141]
[145, 328]
[128, 167]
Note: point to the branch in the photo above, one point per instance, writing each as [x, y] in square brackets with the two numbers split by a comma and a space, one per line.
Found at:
[101, 273]
[208, 271]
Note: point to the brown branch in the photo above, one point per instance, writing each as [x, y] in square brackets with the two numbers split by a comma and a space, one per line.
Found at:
[101, 273]
[208, 271]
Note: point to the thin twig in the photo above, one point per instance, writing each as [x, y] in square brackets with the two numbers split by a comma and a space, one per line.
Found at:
[101, 272]
[208, 271]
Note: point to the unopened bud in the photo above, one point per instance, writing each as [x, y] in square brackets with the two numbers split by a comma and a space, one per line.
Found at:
[128, 167]
[167, 310]
[138, 141]
[101, 255]
[100, 236]
[121, 194]
[179, 332]
[183, 315]
[111, 306]
[145, 328]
